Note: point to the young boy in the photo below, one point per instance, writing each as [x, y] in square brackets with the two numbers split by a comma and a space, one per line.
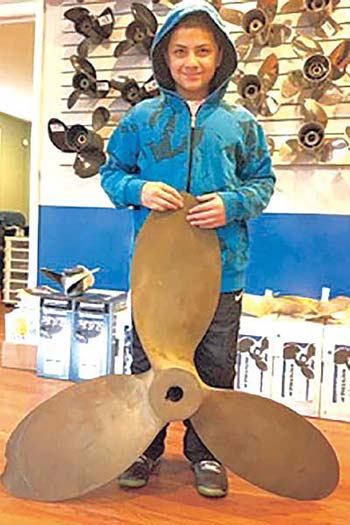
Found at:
[190, 139]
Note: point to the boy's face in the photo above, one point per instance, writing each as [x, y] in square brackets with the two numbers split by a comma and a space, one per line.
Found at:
[192, 58]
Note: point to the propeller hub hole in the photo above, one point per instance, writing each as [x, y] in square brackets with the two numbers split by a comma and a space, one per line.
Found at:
[311, 136]
[174, 394]
[317, 68]
[254, 22]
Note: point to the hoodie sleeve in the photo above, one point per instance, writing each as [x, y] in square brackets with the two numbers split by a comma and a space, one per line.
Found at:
[255, 172]
[120, 174]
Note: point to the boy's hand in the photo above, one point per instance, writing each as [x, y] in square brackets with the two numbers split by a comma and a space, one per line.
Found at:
[161, 197]
[210, 213]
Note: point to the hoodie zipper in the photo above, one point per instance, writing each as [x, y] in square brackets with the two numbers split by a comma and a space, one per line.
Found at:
[193, 128]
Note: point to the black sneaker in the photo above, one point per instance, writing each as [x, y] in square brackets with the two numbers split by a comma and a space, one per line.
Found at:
[137, 475]
[210, 478]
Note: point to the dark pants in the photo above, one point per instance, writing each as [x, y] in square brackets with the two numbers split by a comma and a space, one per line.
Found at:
[215, 359]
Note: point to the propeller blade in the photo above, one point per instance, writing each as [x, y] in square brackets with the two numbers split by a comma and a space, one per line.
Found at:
[244, 44]
[76, 13]
[293, 6]
[293, 84]
[289, 150]
[269, 7]
[268, 106]
[175, 268]
[314, 112]
[233, 16]
[268, 72]
[279, 33]
[81, 438]
[304, 46]
[340, 59]
[144, 16]
[100, 117]
[82, 65]
[123, 47]
[83, 48]
[106, 22]
[54, 276]
[73, 97]
[267, 444]
[88, 162]
[331, 94]
[58, 135]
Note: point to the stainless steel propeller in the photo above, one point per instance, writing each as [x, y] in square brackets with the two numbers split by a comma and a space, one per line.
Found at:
[311, 142]
[89, 433]
[316, 14]
[316, 79]
[254, 89]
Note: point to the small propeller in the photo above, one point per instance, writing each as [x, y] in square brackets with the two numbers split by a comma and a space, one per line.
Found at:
[317, 77]
[140, 32]
[132, 92]
[254, 89]
[315, 14]
[258, 27]
[89, 433]
[94, 28]
[311, 141]
[86, 143]
[74, 281]
[85, 81]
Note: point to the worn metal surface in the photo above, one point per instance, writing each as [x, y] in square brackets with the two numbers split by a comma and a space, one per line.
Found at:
[175, 282]
[267, 444]
[81, 438]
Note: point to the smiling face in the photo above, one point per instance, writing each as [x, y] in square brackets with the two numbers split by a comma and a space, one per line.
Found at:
[193, 57]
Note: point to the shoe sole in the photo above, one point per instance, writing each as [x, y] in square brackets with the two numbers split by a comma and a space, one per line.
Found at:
[132, 484]
[211, 493]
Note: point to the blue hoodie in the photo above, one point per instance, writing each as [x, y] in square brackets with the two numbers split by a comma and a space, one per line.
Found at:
[226, 152]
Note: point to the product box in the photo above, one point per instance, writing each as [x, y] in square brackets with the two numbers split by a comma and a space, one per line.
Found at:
[255, 356]
[22, 325]
[297, 365]
[335, 392]
[16, 355]
[123, 339]
[54, 348]
[94, 334]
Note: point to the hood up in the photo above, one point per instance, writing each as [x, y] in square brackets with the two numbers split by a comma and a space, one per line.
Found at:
[178, 13]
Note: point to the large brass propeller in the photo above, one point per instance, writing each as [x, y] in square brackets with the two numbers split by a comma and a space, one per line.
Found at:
[254, 89]
[89, 433]
[316, 79]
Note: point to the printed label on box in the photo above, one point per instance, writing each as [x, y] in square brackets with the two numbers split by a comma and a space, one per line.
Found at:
[298, 366]
[254, 357]
[335, 392]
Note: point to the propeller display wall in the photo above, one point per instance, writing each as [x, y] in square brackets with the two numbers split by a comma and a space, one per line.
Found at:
[86, 435]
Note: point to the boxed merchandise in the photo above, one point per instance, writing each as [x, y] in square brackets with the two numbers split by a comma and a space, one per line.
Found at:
[15, 355]
[95, 318]
[254, 356]
[54, 348]
[335, 393]
[298, 365]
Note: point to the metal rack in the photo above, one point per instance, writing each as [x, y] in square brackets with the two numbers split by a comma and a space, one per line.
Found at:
[15, 272]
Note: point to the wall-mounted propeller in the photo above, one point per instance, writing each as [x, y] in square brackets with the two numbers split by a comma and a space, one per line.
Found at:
[258, 26]
[140, 32]
[94, 28]
[87, 144]
[315, 14]
[254, 89]
[319, 72]
[85, 81]
[132, 92]
[311, 142]
[87, 434]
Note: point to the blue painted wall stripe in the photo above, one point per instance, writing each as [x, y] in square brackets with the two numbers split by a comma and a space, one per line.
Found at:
[290, 253]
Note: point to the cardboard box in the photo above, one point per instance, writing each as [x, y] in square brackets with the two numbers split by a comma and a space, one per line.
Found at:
[335, 392]
[255, 356]
[14, 355]
[22, 326]
[297, 365]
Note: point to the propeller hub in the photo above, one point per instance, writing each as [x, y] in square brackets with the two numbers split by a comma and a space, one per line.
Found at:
[77, 137]
[249, 87]
[317, 5]
[311, 136]
[175, 394]
[254, 22]
[317, 68]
